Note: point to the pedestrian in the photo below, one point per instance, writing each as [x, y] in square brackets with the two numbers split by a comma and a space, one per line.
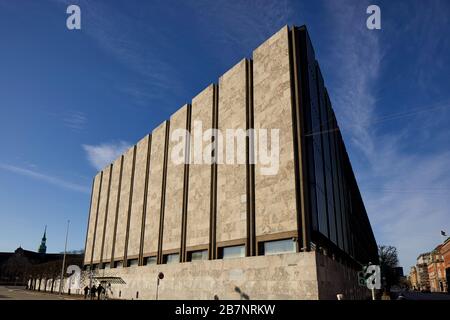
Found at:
[99, 291]
[93, 291]
[86, 292]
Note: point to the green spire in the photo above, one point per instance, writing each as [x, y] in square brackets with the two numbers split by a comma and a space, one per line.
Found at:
[43, 247]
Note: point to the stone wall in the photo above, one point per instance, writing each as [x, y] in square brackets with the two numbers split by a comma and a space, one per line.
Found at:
[231, 175]
[275, 210]
[174, 187]
[137, 204]
[112, 210]
[304, 276]
[124, 203]
[199, 197]
[154, 190]
[101, 214]
[92, 218]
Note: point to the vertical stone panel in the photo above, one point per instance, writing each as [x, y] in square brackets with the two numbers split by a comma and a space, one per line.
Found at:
[231, 177]
[275, 202]
[92, 218]
[154, 191]
[174, 185]
[198, 210]
[123, 205]
[112, 208]
[101, 215]
[137, 205]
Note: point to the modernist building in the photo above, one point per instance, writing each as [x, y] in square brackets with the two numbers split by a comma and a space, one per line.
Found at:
[223, 230]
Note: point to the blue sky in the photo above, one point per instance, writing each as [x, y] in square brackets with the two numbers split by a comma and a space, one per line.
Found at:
[70, 101]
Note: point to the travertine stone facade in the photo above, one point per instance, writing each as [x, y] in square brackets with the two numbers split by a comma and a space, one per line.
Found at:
[231, 176]
[202, 205]
[137, 206]
[174, 188]
[306, 275]
[101, 214]
[274, 194]
[152, 217]
[92, 218]
[112, 209]
[198, 211]
[122, 219]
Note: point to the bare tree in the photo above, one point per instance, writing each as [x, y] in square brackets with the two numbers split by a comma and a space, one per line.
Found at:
[388, 262]
[388, 256]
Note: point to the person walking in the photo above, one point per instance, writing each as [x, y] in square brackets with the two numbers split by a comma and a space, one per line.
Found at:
[100, 290]
[93, 291]
[86, 292]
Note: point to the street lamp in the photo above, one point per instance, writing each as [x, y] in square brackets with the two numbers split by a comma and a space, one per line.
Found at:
[160, 277]
[64, 259]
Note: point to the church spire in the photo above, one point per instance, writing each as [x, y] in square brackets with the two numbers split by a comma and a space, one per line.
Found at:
[43, 246]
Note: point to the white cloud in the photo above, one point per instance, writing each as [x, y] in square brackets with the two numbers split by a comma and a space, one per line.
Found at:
[103, 154]
[44, 177]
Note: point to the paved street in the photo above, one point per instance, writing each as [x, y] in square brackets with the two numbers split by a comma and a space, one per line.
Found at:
[19, 293]
[414, 295]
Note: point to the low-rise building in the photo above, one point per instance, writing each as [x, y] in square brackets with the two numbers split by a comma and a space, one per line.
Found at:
[413, 279]
[422, 271]
[436, 271]
[445, 252]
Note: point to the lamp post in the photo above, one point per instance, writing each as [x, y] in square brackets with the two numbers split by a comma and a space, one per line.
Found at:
[160, 277]
[64, 259]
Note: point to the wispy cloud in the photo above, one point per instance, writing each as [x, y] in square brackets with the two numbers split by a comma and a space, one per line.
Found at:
[75, 120]
[101, 155]
[237, 27]
[44, 177]
[428, 42]
[406, 191]
[356, 61]
[124, 35]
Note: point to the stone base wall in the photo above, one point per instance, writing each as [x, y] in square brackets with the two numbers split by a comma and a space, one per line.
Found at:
[335, 278]
[305, 275]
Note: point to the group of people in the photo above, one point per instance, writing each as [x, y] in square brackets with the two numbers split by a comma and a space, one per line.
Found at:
[94, 291]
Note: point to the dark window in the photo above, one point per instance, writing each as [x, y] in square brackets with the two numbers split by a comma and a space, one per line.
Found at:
[133, 262]
[313, 204]
[198, 255]
[171, 258]
[322, 211]
[150, 261]
[232, 252]
[279, 246]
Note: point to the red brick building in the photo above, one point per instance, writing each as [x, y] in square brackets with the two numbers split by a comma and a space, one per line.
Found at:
[445, 252]
[436, 271]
